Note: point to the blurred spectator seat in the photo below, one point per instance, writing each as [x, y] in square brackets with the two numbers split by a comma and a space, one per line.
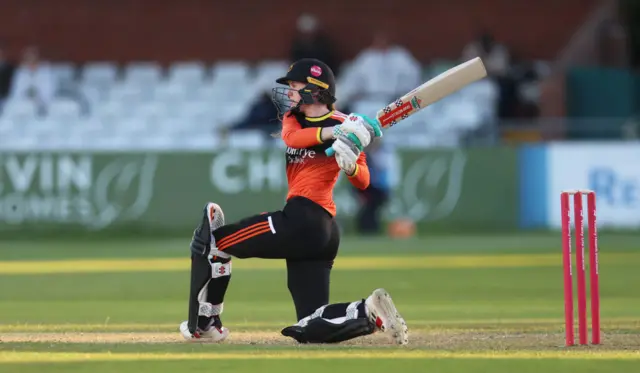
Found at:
[7, 127]
[212, 92]
[99, 74]
[64, 111]
[51, 133]
[150, 112]
[63, 72]
[200, 111]
[260, 114]
[204, 143]
[145, 73]
[19, 110]
[170, 93]
[131, 93]
[463, 115]
[115, 141]
[270, 70]
[192, 105]
[110, 112]
[91, 96]
[483, 95]
[19, 143]
[187, 74]
[222, 93]
[93, 126]
[230, 81]
[133, 126]
[230, 72]
[172, 126]
[230, 113]
[246, 139]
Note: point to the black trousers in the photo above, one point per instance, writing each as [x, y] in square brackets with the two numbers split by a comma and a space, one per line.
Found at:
[303, 233]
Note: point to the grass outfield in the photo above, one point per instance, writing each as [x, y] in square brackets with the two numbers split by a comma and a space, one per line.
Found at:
[472, 303]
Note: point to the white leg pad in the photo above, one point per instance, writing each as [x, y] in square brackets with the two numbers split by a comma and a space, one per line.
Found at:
[207, 309]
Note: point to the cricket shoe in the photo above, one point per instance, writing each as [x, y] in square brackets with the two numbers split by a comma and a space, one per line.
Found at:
[383, 313]
[215, 333]
[296, 332]
[212, 219]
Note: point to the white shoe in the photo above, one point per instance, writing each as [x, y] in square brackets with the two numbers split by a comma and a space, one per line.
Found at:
[213, 333]
[383, 313]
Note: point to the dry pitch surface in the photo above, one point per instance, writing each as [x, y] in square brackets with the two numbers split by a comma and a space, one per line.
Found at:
[429, 340]
[60, 347]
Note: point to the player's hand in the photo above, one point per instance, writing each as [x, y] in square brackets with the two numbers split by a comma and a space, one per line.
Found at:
[347, 153]
[358, 126]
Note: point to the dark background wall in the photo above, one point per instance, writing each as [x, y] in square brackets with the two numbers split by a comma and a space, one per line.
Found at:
[165, 30]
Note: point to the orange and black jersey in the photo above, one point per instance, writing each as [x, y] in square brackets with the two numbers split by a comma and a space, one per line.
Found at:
[303, 232]
[311, 173]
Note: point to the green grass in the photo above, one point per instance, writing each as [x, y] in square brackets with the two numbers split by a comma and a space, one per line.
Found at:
[473, 303]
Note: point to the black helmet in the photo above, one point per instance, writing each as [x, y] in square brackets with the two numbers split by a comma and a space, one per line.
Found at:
[320, 85]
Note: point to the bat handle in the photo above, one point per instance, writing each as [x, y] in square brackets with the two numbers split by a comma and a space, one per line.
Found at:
[375, 124]
[330, 152]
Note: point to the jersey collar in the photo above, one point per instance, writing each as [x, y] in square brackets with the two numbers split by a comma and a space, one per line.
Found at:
[320, 119]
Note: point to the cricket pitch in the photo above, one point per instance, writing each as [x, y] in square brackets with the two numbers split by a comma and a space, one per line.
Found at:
[430, 340]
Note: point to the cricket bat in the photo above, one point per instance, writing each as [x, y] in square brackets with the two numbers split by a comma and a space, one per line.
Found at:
[429, 93]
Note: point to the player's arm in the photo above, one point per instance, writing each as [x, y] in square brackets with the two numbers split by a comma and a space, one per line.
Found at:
[360, 177]
[295, 136]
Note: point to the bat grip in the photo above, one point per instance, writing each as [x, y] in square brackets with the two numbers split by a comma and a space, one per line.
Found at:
[351, 136]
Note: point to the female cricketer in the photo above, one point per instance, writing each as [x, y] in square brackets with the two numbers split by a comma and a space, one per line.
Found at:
[304, 232]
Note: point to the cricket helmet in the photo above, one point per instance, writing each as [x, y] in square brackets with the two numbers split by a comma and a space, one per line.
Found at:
[320, 85]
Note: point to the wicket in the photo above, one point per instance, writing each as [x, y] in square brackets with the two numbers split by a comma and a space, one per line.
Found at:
[580, 265]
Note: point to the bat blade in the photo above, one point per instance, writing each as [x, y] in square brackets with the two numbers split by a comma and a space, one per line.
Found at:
[432, 91]
[429, 93]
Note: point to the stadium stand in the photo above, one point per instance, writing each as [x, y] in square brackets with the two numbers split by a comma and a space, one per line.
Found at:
[192, 105]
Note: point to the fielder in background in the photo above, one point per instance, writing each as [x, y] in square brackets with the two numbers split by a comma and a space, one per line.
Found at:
[304, 232]
[374, 198]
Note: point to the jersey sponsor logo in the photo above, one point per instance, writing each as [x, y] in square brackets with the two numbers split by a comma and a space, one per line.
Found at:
[300, 155]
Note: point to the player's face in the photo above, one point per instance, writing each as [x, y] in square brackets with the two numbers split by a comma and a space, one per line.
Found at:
[293, 94]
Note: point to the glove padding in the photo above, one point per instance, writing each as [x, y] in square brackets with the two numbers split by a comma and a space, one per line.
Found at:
[347, 153]
[358, 126]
